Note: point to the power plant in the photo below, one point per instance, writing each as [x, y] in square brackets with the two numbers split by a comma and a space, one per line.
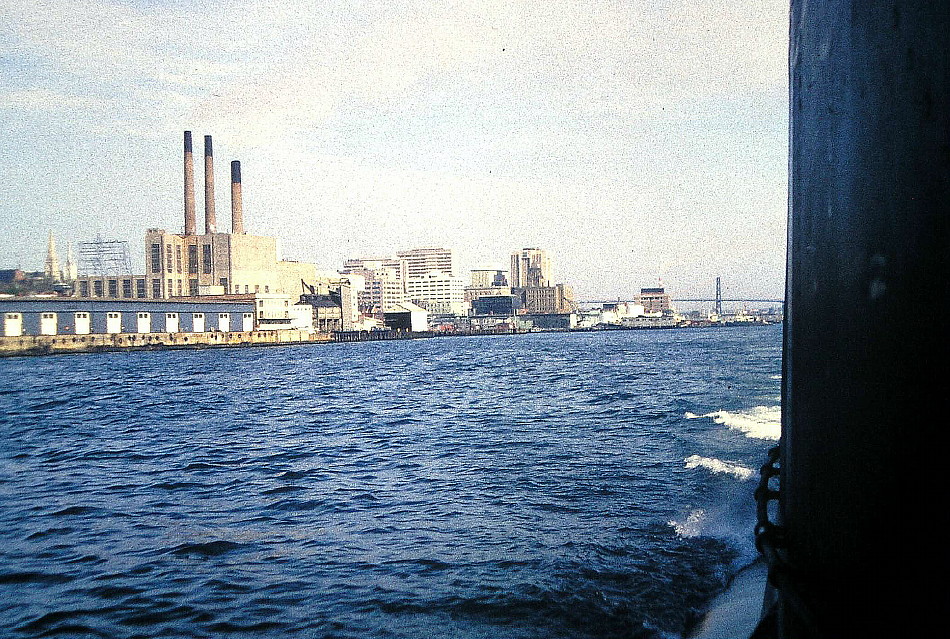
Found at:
[189, 187]
[212, 263]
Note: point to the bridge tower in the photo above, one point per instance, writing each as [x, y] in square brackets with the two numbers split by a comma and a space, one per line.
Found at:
[719, 296]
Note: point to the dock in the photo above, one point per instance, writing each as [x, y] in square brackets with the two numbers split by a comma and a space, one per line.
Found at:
[98, 343]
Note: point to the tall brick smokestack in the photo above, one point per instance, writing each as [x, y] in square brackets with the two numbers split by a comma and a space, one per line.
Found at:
[209, 188]
[237, 206]
[189, 187]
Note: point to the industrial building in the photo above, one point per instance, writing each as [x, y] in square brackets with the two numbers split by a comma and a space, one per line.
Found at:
[547, 299]
[654, 300]
[74, 316]
[407, 317]
[213, 263]
[506, 305]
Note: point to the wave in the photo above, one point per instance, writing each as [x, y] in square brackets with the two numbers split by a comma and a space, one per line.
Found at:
[692, 526]
[760, 422]
[720, 467]
[730, 520]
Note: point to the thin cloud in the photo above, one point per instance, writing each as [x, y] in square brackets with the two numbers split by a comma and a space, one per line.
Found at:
[647, 131]
[40, 99]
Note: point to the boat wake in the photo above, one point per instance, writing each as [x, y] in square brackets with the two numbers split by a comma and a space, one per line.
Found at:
[759, 422]
[718, 466]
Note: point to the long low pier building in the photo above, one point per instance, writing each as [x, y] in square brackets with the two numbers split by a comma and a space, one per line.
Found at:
[38, 325]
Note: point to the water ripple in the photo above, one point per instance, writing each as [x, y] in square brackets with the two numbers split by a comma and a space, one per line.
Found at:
[509, 487]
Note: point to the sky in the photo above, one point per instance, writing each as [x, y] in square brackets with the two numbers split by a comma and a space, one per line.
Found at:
[638, 142]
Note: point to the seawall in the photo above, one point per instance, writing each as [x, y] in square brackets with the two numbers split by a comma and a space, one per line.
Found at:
[94, 343]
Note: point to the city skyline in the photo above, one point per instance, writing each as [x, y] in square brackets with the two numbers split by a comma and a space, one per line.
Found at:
[629, 142]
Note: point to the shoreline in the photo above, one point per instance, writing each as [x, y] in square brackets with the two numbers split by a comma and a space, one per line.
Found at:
[39, 345]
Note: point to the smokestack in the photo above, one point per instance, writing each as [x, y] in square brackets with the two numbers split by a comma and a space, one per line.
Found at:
[237, 207]
[209, 188]
[189, 187]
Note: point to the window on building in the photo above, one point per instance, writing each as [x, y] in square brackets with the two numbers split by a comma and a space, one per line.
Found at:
[83, 288]
[140, 288]
[178, 259]
[178, 282]
[156, 288]
[206, 259]
[247, 288]
[168, 256]
[113, 288]
[266, 288]
[224, 283]
[156, 258]
[192, 259]
[126, 288]
[193, 287]
[97, 288]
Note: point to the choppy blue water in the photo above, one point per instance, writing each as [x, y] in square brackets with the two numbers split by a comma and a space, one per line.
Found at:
[548, 485]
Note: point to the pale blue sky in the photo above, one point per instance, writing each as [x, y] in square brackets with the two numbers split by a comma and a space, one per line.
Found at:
[633, 140]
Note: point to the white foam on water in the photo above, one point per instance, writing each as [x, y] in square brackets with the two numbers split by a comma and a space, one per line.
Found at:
[760, 422]
[718, 466]
[775, 377]
[693, 525]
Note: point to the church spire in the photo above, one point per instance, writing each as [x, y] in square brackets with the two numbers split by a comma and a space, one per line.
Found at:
[52, 272]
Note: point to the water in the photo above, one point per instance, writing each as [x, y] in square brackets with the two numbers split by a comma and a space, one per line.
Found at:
[548, 485]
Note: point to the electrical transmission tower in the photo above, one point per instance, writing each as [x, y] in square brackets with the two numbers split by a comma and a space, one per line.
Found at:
[104, 257]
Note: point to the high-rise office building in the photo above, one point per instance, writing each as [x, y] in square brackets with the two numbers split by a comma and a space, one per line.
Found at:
[383, 287]
[488, 277]
[437, 292]
[532, 280]
[530, 267]
[422, 261]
